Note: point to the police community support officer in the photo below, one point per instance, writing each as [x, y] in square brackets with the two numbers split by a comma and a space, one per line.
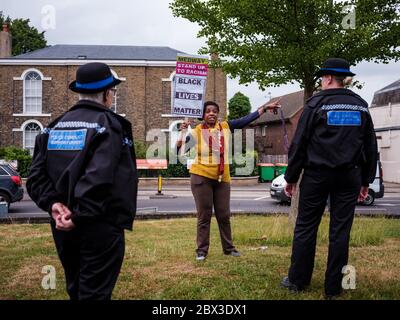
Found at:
[84, 174]
[336, 146]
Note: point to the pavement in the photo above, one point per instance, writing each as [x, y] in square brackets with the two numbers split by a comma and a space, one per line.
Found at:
[392, 187]
[177, 201]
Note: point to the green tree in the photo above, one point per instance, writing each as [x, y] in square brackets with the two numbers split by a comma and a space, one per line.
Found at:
[140, 149]
[275, 42]
[21, 155]
[239, 106]
[24, 37]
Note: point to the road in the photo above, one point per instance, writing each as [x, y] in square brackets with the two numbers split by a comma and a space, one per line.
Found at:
[254, 199]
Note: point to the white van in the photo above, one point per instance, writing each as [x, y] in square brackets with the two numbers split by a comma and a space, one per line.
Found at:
[376, 188]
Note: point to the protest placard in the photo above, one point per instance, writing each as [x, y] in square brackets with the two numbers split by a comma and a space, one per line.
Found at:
[189, 86]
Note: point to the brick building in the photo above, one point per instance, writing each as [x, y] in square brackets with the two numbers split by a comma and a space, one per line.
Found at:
[34, 87]
[269, 141]
[385, 113]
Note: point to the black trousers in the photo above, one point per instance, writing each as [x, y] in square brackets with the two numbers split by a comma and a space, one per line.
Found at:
[92, 256]
[343, 186]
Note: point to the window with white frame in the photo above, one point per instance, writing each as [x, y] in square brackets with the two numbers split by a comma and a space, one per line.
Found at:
[167, 92]
[258, 131]
[172, 77]
[264, 131]
[31, 130]
[33, 93]
[114, 103]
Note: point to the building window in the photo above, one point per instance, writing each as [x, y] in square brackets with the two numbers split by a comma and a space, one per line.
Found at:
[172, 77]
[115, 99]
[264, 131]
[31, 130]
[168, 92]
[33, 93]
[114, 103]
[258, 131]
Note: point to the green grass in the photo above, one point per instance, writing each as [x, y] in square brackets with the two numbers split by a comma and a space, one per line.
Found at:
[159, 261]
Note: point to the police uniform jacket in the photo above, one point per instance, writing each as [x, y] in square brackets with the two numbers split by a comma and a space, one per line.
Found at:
[86, 160]
[335, 131]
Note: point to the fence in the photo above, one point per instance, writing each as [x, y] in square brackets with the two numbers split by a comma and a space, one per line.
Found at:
[269, 158]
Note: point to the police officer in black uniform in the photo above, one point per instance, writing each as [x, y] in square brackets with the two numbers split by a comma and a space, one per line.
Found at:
[336, 146]
[84, 174]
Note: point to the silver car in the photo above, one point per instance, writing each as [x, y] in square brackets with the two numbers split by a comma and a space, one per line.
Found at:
[376, 188]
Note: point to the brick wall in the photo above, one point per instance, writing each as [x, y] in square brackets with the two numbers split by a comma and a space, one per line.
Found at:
[273, 142]
[143, 97]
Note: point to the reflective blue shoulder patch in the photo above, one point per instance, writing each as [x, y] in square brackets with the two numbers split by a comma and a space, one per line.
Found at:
[66, 139]
[344, 118]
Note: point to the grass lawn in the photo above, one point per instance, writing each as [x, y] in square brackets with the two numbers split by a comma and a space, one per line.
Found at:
[159, 261]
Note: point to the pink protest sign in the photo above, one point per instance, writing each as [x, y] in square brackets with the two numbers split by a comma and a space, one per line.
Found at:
[192, 69]
[189, 86]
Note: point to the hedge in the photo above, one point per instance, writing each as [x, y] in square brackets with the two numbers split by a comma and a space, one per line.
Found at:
[21, 155]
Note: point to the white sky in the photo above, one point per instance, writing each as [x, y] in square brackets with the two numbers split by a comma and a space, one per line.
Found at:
[137, 22]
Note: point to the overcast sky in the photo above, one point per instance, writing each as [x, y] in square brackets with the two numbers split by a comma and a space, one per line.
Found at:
[137, 22]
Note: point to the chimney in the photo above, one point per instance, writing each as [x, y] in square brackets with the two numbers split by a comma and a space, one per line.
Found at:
[5, 42]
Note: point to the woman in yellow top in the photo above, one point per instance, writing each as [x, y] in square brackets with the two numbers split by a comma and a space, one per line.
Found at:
[209, 174]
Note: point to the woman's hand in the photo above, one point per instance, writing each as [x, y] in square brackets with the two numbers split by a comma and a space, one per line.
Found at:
[185, 124]
[272, 107]
[182, 132]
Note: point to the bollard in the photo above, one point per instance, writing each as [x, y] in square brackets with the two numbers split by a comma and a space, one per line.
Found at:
[159, 190]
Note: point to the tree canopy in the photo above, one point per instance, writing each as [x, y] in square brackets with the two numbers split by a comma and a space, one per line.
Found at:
[239, 106]
[275, 42]
[24, 37]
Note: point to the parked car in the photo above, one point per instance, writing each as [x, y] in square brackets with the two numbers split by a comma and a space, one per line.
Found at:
[376, 188]
[277, 191]
[10, 185]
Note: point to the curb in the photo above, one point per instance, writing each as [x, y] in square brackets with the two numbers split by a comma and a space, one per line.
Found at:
[162, 196]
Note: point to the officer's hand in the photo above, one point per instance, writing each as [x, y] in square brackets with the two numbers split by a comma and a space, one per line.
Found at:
[67, 223]
[363, 194]
[61, 214]
[58, 209]
[290, 189]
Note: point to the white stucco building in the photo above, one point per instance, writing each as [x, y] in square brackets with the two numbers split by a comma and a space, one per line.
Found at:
[385, 112]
